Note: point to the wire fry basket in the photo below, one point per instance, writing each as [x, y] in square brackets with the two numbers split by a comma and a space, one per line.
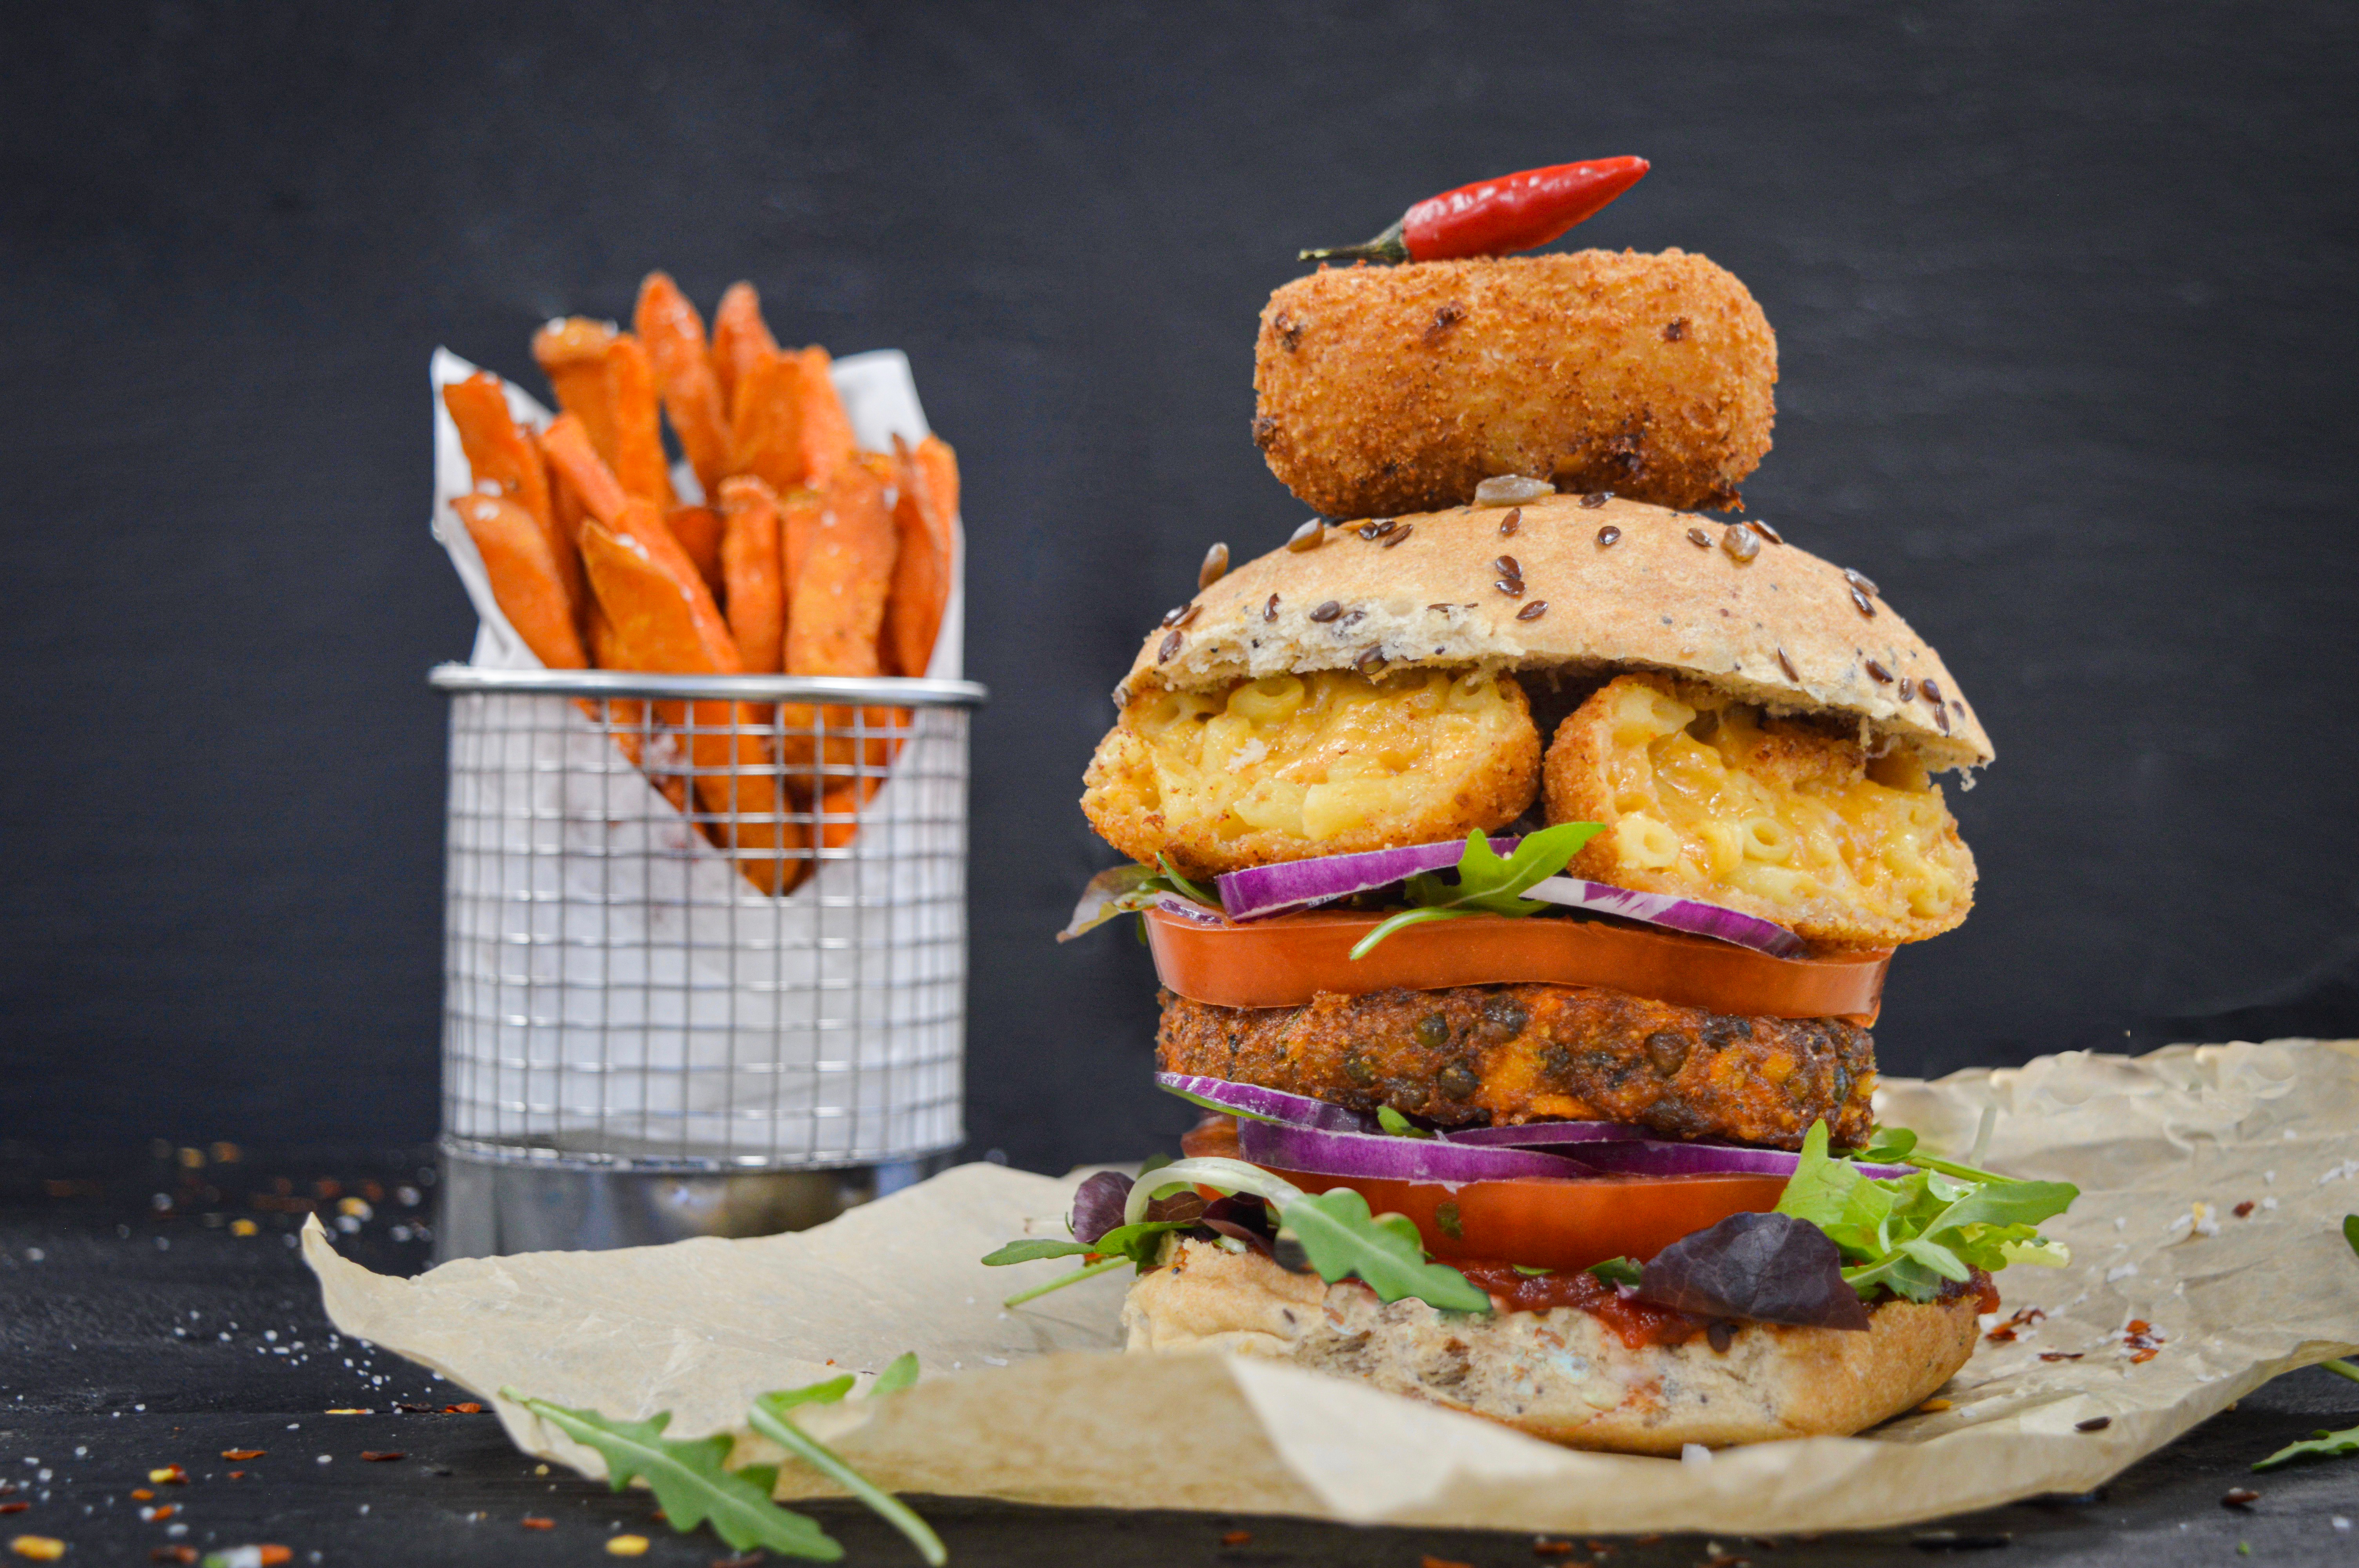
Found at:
[704, 950]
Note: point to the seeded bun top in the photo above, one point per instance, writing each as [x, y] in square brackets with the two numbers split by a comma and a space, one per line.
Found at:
[1580, 583]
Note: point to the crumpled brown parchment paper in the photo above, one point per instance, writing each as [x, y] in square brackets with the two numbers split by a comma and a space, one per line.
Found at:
[1034, 1405]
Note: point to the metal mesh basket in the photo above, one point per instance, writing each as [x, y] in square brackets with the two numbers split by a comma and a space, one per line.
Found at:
[620, 991]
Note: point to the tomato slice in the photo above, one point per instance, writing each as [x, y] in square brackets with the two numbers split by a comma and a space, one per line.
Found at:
[1549, 1222]
[1540, 1222]
[1286, 960]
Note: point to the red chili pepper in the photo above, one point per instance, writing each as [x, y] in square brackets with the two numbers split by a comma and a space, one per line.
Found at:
[1494, 217]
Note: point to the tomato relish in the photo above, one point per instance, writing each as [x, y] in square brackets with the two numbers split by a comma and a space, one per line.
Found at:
[1638, 1324]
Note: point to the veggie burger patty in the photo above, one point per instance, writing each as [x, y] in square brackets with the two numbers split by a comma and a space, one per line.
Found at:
[1508, 1053]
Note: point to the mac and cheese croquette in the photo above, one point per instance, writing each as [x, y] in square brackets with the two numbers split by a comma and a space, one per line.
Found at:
[1788, 819]
[1391, 390]
[1327, 764]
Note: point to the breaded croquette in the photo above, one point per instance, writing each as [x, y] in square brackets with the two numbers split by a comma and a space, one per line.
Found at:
[1472, 1054]
[1384, 390]
[1325, 764]
[1787, 819]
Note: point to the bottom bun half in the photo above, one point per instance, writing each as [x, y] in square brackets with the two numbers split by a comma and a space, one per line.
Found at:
[1562, 1374]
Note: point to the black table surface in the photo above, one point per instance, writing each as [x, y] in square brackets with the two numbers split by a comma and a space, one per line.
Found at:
[142, 1325]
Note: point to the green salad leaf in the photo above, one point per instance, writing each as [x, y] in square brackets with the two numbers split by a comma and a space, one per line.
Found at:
[1127, 890]
[1398, 1126]
[692, 1487]
[1908, 1234]
[1337, 1235]
[1488, 883]
[769, 1418]
[2324, 1445]
[1343, 1239]
[899, 1373]
[1616, 1271]
[690, 1483]
[1133, 1244]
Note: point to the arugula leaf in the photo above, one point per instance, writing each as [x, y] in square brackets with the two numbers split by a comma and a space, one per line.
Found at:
[1032, 1250]
[1342, 1239]
[2351, 1230]
[1336, 1230]
[1137, 1244]
[1180, 884]
[899, 1373]
[689, 1485]
[768, 1417]
[2325, 1445]
[1908, 1234]
[1398, 1125]
[1616, 1271]
[1127, 890]
[1487, 883]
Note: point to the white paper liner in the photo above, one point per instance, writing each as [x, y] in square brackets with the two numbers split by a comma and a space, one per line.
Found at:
[1027, 1404]
[614, 988]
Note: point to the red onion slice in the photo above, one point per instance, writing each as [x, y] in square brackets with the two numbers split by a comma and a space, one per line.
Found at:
[1689, 914]
[1319, 1152]
[1545, 1134]
[1251, 1102]
[1259, 890]
[1651, 1157]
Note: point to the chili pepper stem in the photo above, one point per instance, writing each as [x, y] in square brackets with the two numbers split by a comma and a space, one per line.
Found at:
[1388, 247]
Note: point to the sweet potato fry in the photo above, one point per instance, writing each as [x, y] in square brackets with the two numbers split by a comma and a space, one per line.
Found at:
[840, 807]
[564, 505]
[750, 565]
[788, 426]
[501, 453]
[526, 581]
[739, 333]
[766, 421]
[625, 717]
[636, 451]
[658, 626]
[823, 429]
[840, 584]
[842, 580]
[572, 352]
[698, 529]
[941, 466]
[799, 514]
[922, 568]
[577, 469]
[674, 335]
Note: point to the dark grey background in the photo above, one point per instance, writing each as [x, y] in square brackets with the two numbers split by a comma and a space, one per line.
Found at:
[2064, 296]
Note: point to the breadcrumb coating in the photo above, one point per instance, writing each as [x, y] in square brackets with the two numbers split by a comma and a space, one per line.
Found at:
[1391, 390]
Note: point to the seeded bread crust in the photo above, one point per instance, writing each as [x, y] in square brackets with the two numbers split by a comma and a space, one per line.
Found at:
[1652, 600]
[1560, 1375]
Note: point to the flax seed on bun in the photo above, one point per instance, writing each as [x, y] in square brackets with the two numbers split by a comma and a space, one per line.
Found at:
[1765, 622]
